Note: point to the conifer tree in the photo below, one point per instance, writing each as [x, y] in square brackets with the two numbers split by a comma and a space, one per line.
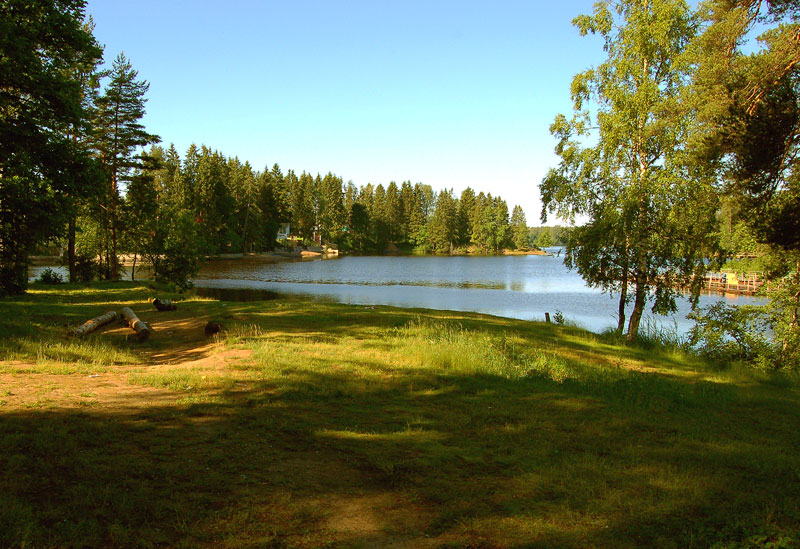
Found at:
[466, 215]
[442, 227]
[519, 228]
[41, 167]
[118, 133]
[333, 216]
[303, 214]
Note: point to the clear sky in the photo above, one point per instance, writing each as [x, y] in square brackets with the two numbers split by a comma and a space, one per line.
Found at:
[451, 94]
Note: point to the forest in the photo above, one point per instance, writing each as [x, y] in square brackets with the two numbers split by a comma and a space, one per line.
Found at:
[230, 208]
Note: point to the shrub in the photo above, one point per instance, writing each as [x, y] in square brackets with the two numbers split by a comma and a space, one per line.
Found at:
[49, 276]
[729, 333]
[86, 268]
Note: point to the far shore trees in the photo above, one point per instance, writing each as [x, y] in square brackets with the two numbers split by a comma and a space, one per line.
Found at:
[651, 213]
[519, 228]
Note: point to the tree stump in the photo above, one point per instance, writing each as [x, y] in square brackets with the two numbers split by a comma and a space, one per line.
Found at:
[93, 324]
[141, 329]
[164, 304]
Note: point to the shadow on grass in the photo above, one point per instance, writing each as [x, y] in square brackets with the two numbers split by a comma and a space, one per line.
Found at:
[466, 460]
[351, 450]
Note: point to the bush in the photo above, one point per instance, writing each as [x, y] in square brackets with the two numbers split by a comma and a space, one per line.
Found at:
[729, 333]
[49, 276]
[86, 268]
[178, 259]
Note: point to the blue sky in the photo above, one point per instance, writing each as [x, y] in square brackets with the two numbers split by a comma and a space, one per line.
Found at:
[451, 94]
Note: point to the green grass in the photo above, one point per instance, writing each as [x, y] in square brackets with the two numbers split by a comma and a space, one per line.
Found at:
[430, 427]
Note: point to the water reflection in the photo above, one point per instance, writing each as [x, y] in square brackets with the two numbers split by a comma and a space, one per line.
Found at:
[522, 287]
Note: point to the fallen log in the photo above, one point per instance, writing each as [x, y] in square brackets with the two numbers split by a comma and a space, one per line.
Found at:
[93, 324]
[133, 322]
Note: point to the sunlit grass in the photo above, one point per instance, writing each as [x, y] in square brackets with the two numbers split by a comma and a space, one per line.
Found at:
[431, 427]
[179, 379]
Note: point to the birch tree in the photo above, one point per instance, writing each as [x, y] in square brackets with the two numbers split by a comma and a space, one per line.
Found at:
[624, 163]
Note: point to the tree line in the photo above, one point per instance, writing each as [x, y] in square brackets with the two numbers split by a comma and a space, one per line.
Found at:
[239, 209]
[72, 166]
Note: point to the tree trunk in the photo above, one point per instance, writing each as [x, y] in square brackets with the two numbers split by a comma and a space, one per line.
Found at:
[133, 269]
[93, 324]
[141, 329]
[113, 211]
[244, 231]
[623, 298]
[71, 248]
[638, 309]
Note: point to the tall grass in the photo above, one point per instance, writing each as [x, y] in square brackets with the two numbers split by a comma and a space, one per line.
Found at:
[63, 356]
[653, 335]
[449, 348]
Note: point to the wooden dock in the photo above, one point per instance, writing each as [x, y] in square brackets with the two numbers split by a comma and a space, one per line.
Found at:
[734, 283]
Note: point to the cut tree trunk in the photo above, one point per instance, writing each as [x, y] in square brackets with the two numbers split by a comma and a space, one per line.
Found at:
[164, 304]
[93, 324]
[141, 329]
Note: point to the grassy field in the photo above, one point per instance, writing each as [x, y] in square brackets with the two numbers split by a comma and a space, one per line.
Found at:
[320, 424]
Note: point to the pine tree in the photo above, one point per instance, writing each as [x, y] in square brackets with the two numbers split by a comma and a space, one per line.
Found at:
[466, 215]
[118, 133]
[333, 216]
[303, 214]
[394, 212]
[41, 167]
[442, 227]
[519, 228]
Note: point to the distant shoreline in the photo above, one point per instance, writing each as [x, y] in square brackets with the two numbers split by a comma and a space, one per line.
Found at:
[274, 257]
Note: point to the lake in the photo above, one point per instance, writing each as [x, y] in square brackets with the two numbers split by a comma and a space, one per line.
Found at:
[523, 287]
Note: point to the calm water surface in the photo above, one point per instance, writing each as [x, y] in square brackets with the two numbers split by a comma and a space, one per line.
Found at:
[511, 286]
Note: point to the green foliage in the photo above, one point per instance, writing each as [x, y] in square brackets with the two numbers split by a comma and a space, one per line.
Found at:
[544, 240]
[728, 333]
[747, 94]
[558, 234]
[442, 229]
[490, 229]
[87, 268]
[50, 277]
[651, 210]
[41, 103]
[766, 336]
[164, 233]
[117, 134]
[519, 228]
[181, 252]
